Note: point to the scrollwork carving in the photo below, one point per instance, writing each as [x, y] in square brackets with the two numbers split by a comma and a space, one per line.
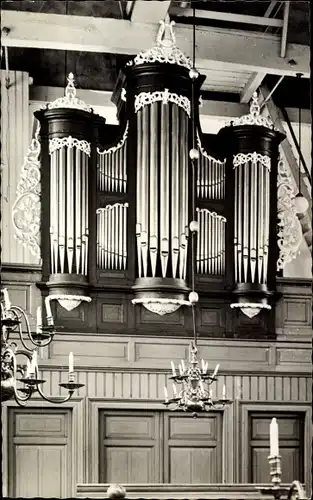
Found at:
[290, 231]
[70, 142]
[26, 210]
[241, 159]
[165, 96]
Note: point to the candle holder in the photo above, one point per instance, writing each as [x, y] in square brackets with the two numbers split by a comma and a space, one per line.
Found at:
[294, 492]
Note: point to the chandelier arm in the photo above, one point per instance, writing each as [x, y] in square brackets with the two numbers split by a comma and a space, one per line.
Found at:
[21, 400]
[55, 400]
[28, 330]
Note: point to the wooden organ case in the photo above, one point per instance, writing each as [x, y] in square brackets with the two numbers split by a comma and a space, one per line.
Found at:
[115, 230]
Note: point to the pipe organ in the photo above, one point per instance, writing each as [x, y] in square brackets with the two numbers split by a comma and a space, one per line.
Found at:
[117, 202]
[68, 131]
[252, 158]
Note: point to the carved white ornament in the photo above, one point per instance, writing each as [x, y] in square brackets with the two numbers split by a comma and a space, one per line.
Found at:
[26, 210]
[161, 306]
[70, 100]
[254, 117]
[166, 50]
[241, 159]
[165, 96]
[205, 154]
[70, 142]
[250, 309]
[290, 231]
[69, 302]
[113, 149]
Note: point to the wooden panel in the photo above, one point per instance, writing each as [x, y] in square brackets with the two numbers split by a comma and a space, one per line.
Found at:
[193, 465]
[129, 446]
[130, 464]
[39, 456]
[297, 311]
[35, 425]
[293, 356]
[192, 448]
[15, 142]
[291, 428]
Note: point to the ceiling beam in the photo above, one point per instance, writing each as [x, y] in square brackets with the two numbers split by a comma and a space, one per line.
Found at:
[97, 98]
[149, 12]
[217, 49]
[228, 17]
[251, 86]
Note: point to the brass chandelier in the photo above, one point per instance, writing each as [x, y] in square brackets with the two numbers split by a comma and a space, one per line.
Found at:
[195, 395]
[15, 326]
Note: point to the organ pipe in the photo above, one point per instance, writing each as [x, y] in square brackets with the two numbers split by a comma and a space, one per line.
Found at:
[252, 156]
[68, 131]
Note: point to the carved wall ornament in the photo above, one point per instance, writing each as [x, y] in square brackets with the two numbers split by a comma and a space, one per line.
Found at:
[166, 50]
[165, 96]
[161, 306]
[69, 302]
[254, 117]
[240, 159]
[26, 210]
[71, 142]
[113, 149]
[290, 231]
[70, 100]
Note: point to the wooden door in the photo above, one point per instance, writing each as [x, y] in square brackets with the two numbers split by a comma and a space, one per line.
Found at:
[291, 428]
[40, 453]
[130, 447]
[192, 448]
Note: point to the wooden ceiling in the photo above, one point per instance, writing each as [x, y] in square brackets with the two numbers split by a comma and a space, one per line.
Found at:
[98, 69]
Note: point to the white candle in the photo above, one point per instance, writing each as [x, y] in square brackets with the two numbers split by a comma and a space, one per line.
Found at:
[48, 308]
[70, 362]
[183, 365]
[174, 390]
[39, 319]
[210, 394]
[173, 369]
[28, 369]
[201, 386]
[203, 366]
[180, 369]
[274, 448]
[165, 394]
[33, 364]
[215, 371]
[224, 392]
[7, 303]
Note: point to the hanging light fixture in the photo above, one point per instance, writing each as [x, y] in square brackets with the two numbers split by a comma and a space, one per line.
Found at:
[195, 395]
[301, 203]
[15, 326]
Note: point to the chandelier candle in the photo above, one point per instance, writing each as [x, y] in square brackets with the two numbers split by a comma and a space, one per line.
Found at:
[274, 446]
[7, 303]
[39, 320]
[70, 363]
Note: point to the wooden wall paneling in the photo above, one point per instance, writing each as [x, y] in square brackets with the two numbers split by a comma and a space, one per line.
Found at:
[275, 409]
[194, 451]
[73, 471]
[293, 311]
[114, 312]
[130, 447]
[15, 143]
[290, 446]
[95, 406]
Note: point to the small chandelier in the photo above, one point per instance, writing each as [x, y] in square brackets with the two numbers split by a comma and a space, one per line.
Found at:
[195, 395]
[15, 326]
